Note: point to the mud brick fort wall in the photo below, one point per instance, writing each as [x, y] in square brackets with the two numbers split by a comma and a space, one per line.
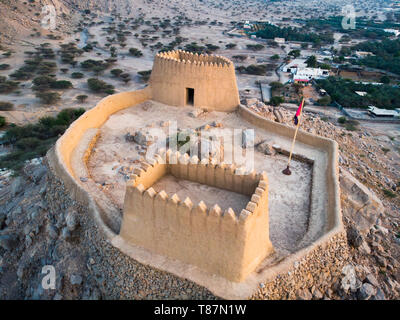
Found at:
[226, 243]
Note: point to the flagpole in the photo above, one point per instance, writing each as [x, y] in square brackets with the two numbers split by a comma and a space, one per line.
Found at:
[287, 170]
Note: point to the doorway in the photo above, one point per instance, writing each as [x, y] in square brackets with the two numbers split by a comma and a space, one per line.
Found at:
[190, 96]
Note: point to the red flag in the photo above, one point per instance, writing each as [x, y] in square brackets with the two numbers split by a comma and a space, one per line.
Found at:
[296, 117]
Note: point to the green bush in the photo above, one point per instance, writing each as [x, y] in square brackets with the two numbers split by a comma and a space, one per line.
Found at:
[342, 120]
[276, 100]
[6, 106]
[82, 98]
[135, 52]
[97, 85]
[48, 97]
[33, 140]
[4, 66]
[2, 121]
[61, 84]
[7, 86]
[77, 75]
[324, 101]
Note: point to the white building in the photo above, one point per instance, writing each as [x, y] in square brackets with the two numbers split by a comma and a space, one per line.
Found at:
[280, 40]
[377, 112]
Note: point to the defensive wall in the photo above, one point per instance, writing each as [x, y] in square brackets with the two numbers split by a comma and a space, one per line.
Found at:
[322, 231]
[181, 78]
[226, 243]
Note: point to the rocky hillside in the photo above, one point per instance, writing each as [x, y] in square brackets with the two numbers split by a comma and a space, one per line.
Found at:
[20, 18]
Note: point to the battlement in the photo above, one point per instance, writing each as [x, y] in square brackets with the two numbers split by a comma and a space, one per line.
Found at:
[223, 242]
[200, 60]
[183, 78]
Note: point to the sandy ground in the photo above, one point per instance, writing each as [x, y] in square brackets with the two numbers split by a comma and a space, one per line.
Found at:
[113, 159]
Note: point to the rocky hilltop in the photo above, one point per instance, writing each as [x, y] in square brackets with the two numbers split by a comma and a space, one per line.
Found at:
[40, 225]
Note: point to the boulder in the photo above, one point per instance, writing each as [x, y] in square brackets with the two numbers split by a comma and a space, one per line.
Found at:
[361, 205]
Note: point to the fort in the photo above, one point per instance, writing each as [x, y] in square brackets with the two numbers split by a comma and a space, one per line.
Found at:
[182, 78]
[210, 223]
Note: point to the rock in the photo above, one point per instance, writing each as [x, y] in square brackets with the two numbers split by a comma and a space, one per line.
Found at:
[370, 278]
[379, 295]
[381, 261]
[143, 138]
[195, 113]
[354, 237]
[66, 234]
[278, 115]
[350, 281]
[362, 205]
[57, 296]
[17, 186]
[52, 231]
[318, 294]
[72, 220]
[129, 137]
[8, 241]
[366, 291]
[304, 294]
[248, 138]
[83, 179]
[364, 247]
[75, 279]
[265, 148]
[38, 173]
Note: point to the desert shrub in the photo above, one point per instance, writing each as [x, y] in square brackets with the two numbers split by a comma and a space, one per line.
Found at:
[145, 75]
[97, 85]
[33, 140]
[48, 97]
[82, 98]
[117, 72]
[42, 83]
[6, 106]
[135, 52]
[230, 45]
[276, 100]
[7, 86]
[389, 193]
[255, 47]
[4, 66]
[324, 101]
[2, 121]
[342, 120]
[275, 57]
[61, 84]
[77, 75]
[255, 69]
[240, 57]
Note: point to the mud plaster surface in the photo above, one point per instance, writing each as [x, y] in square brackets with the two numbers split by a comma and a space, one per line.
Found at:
[113, 159]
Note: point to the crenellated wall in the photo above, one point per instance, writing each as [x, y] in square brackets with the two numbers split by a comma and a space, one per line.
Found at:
[227, 244]
[212, 78]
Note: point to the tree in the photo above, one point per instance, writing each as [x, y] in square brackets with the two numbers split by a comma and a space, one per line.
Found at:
[385, 79]
[116, 72]
[312, 62]
[48, 97]
[135, 52]
[2, 121]
[82, 98]
[97, 85]
[276, 100]
[295, 53]
[6, 106]
[276, 85]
